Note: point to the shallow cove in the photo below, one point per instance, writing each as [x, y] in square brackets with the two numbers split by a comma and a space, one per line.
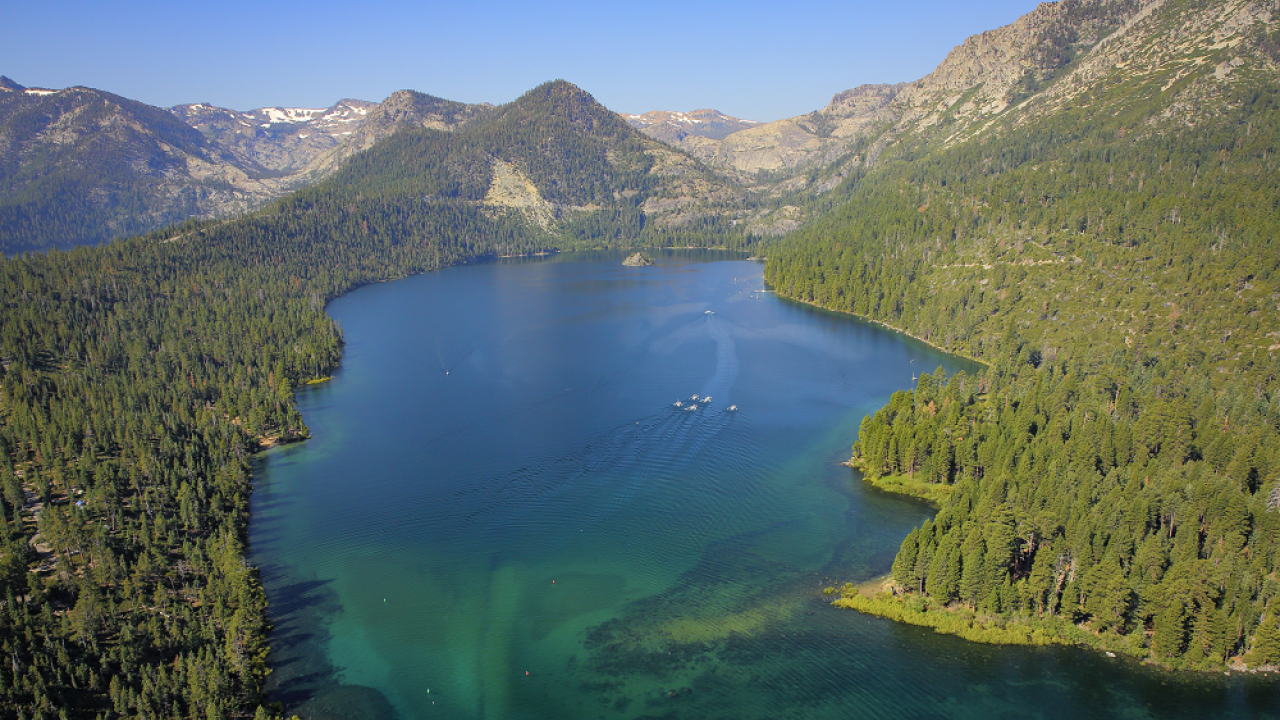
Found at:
[502, 514]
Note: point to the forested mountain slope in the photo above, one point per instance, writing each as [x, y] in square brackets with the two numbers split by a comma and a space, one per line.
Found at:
[80, 166]
[553, 169]
[1115, 263]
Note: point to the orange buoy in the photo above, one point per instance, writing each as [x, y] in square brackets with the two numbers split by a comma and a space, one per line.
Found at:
[526, 672]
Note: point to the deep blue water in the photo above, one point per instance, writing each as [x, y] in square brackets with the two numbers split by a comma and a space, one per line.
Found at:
[503, 514]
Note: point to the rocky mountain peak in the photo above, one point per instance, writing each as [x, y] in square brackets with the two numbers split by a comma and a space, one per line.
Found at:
[409, 107]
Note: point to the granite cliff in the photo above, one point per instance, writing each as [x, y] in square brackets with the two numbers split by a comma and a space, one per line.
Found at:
[1056, 55]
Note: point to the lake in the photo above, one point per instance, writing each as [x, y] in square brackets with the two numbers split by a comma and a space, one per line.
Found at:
[512, 506]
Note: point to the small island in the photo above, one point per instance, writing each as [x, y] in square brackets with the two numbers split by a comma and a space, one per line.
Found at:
[637, 259]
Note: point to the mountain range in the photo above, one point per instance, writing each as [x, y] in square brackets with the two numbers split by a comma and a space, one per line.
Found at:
[119, 167]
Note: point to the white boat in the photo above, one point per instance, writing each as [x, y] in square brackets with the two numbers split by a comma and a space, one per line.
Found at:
[706, 399]
[692, 407]
[733, 408]
[679, 404]
[694, 397]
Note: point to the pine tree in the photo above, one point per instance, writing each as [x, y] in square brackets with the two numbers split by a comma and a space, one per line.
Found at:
[1266, 642]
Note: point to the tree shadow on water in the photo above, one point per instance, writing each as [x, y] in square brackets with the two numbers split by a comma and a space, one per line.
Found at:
[302, 677]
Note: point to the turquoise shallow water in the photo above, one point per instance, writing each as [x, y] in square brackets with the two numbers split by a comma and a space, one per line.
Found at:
[503, 514]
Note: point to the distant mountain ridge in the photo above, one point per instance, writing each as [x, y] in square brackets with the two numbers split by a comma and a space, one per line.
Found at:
[673, 127]
[119, 167]
[311, 142]
[276, 138]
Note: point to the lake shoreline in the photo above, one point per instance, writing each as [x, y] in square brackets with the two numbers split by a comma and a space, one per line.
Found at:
[883, 324]
[878, 597]
[932, 493]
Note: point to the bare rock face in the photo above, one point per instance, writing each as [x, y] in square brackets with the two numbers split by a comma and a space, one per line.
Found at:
[1163, 40]
[765, 153]
[511, 188]
[789, 146]
[984, 76]
[637, 259]
[990, 72]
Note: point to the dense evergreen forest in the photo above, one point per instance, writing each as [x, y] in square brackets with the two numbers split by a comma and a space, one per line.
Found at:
[1116, 466]
[138, 378]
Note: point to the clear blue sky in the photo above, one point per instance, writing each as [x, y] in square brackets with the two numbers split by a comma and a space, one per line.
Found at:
[756, 60]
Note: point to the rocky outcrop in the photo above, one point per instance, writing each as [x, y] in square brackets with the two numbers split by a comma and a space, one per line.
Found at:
[511, 188]
[637, 259]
